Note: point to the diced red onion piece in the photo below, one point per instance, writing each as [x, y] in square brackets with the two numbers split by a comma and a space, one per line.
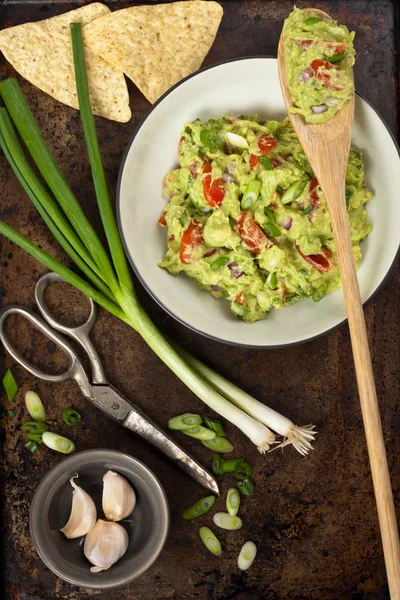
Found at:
[235, 272]
[215, 288]
[231, 166]
[232, 264]
[333, 102]
[321, 108]
[287, 223]
[228, 178]
[305, 75]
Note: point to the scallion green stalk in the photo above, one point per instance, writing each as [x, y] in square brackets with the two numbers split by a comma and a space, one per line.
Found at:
[10, 385]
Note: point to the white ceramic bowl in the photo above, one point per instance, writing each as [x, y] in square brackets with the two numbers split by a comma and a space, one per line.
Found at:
[244, 86]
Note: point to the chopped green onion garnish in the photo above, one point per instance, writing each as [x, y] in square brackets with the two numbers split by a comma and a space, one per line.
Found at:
[308, 209]
[268, 212]
[244, 471]
[214, 425]
[35, 406]
[338, 57]
[218, 444]
[34, 427]
[209, 138]
[210, 541]
[349, 195]
[251, 193]
[199, 433]
[230, 466]
[11, 413]
[272, 281]
[312, 20]
[219, 263]
[10, 385]
[199, 508]
[266, 162]
[271, 229]
[35, 437]
[304, 163]
[294, 191]
[226, 521]
[58, 442]
[247, 556]
[319, 293]
[71, 417]
[279, 189]
[232, 501]
[185, 421]
[246, 487]
[304, 272]
[217, 464]
[32, 446]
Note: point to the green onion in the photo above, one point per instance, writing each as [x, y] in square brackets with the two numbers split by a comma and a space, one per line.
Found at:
[271, 229]
[338, 57]
[35, 437]
[246, 487]
[219, 263]
[232, 501]
[226, 521]
[185, 421]
[279, 189]
[349, 194]
[308, 209]
[230, 466]
[268, 212]
[250, 194]
[218, 444]
[199, 433]
[244, 471]
[199, 508]
[32, 446]
[35, 406]
[312, 20]
[71, 417]
[266, 162]
[10, 385]
[304, 163]
[304, 272]
[11, 413]
[210, 541]
[217, 464]
[319, 293]
[58, 442]
[272, 281]
[214, 425]
[247, 556]
[208, 138]
[294, 191]
[34, 427]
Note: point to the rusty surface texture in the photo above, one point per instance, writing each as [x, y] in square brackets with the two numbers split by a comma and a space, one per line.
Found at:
[314, 518]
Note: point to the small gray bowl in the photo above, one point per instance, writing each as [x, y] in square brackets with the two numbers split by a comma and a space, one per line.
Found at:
[147, 527]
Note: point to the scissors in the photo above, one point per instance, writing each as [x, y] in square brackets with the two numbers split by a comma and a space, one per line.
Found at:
[99, 392]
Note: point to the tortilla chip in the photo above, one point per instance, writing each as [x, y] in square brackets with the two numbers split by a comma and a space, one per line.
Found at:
[42, 53]
[156, 46]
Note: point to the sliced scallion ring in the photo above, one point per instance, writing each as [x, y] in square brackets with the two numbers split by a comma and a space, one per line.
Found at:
[35, 406]
[58, 442]
[200, 433]
[227, 521]
[219, 444]
[185, 421]
[210, 541]
[232, 502]
[247, 556]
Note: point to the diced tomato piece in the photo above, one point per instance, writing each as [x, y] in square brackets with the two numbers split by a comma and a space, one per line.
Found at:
[339, 48]
[214, 191]
[254, 162]
[240, 297]
[210, 252]
[327, 253]
[314, 198]
[161, 220]
[276, 162]
[251, 234]
[319, 261]
[304, 43]
[182, 139]
[193, 169]
[191, 239]
[171, 238]
[266, 143]
[322, 76]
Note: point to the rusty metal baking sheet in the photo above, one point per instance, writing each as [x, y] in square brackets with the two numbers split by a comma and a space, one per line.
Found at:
[313, 519]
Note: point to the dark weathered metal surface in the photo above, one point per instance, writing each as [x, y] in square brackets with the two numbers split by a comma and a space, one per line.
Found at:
[314, 518]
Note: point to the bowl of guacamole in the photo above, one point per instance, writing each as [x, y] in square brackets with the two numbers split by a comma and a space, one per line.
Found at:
[224, 222]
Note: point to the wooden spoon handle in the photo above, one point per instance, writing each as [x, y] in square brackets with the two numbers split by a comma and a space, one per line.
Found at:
[368, 399]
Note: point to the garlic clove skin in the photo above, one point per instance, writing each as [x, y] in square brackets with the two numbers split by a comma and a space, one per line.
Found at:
[83, 513]
[105, 544]
[119, 499]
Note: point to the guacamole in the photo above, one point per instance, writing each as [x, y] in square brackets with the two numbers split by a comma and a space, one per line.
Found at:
[319, 55]
[247, 220]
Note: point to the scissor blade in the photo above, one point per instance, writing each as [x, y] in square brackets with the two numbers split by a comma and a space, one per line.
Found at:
[110, 401]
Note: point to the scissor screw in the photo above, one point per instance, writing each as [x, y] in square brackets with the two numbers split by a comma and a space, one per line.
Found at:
[115, 406]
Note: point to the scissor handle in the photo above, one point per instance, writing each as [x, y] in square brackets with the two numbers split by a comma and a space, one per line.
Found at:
[75, 369]
[80, 333]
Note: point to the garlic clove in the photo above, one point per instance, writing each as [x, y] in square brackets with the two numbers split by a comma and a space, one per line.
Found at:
[119, 499]
[105, 544]
[83, 513]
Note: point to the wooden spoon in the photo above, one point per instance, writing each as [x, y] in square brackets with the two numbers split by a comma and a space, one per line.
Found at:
[327, 147]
